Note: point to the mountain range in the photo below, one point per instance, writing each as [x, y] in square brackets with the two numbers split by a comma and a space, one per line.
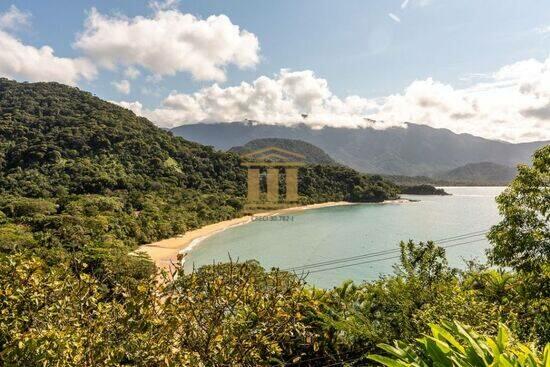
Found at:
[413, 150]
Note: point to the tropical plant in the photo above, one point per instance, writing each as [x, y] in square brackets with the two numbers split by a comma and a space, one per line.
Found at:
[456, 345]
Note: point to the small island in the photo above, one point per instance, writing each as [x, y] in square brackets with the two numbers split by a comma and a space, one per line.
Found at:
[422, 190]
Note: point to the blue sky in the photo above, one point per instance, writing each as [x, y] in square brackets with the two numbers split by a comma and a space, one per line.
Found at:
[353, 46]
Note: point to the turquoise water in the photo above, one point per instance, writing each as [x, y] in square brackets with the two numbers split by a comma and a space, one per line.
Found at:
[326, 234]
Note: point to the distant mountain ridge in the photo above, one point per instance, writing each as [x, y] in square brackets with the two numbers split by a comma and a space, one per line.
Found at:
[414, 150]
[313, 154]
[488, 173]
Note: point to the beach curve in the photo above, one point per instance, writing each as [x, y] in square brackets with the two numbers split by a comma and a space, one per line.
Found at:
[165, 253]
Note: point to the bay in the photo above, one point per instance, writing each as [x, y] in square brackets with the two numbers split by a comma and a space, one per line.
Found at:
[369, 232]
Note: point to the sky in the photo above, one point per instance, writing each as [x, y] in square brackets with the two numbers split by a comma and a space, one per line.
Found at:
[478, 67]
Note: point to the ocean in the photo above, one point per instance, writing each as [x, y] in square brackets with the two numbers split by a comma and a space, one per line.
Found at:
[358, 242]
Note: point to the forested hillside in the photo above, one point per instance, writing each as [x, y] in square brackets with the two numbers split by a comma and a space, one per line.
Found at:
[57, 139]
[483, 173]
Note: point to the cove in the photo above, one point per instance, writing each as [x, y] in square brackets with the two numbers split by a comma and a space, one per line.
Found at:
[370, 232]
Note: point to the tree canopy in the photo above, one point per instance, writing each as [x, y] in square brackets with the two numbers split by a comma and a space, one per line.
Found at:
[522, 239]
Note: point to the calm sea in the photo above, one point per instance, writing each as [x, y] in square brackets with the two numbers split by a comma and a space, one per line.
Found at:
[325, 238]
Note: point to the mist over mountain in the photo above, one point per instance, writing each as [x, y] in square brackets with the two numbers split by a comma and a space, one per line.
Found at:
[414, 150]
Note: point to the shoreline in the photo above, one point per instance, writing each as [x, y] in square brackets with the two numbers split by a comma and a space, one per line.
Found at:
[164, 253]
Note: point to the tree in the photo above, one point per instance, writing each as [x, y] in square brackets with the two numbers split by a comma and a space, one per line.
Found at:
[238, 315]
[522, 239]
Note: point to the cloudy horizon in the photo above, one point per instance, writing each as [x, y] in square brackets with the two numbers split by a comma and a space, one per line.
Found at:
[175, 67]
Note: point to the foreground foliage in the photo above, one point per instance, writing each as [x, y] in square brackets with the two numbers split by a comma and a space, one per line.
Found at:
[241, 315]
[219, 316]
[522, 239]
[453, 344]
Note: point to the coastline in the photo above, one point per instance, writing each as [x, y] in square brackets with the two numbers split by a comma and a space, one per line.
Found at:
[164, 253]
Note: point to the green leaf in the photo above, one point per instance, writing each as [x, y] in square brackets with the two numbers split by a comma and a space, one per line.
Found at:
[439, 331]
[502, 337]
[400, 353]
[386, 361]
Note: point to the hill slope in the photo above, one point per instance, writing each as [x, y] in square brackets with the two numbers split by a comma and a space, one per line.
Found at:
[54, 137]
[483, 173]
[415, 150]
[57, 140]
[312, 153]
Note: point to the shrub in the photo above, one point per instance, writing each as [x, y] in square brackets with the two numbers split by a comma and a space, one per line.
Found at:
[453, 344]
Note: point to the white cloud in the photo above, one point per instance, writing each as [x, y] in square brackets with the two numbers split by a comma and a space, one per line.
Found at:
[24, 62]
[14, 18]
[153, 78]
[169, 42]
[512, 104]
[404, 4]
[281, 99]
[394, 17]
[131, 72]
[122, 86]
[135, 107]
[543, 30]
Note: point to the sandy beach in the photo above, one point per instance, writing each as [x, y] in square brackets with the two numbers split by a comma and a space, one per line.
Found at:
[165, 253]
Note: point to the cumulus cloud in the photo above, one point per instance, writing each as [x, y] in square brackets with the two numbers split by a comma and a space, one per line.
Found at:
[123, 86]
[512, 104]
[14, 18]
[24, 62]
[21, 61]
[169, 42]
[281, 99]
[541, 113]
[163, 5]
[135, 107]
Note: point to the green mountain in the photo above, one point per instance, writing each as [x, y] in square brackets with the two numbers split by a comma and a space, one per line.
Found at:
[56, 139]
[313, 154]
[415, 150]
[484, 173]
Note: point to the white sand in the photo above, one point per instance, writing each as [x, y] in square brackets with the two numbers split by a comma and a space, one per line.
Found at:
[165, 253]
